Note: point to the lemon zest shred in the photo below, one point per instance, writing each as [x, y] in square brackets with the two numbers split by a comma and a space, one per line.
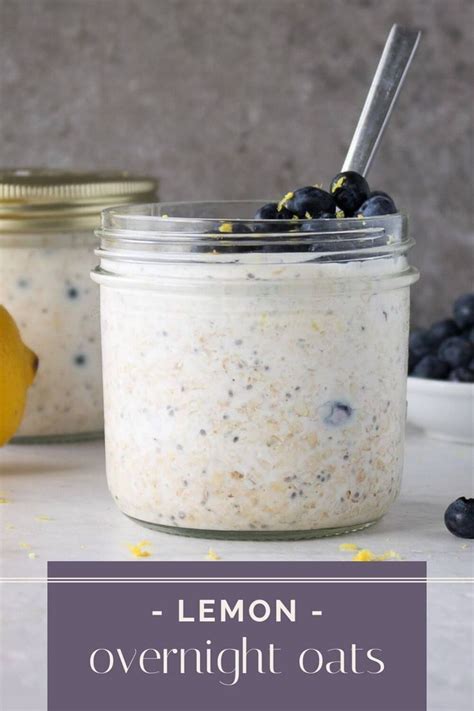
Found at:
[212, 555]
[32, 555]
[348, 547]
[338, 184]
[226, 227]
[41, 517]
[284, 200]
[366, 555]
[4, 500]
[139, 550]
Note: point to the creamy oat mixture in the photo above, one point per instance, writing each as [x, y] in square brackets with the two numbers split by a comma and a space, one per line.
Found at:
[255, 396]
[45, 284]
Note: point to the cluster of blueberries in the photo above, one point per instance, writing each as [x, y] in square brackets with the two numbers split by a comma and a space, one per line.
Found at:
[445, 351]
[349, 196]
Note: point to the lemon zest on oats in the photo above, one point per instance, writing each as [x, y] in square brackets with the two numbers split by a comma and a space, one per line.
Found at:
[139, 550]
[308, 215]
[212, 555]
[43, 518]
[284, 200]
[32, 555]
[338, 184]
[4, 500]
[24, 545]
[225, 227]
[348, 547]
[339, 214]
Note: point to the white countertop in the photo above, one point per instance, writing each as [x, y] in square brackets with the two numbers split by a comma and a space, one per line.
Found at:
[58, 508]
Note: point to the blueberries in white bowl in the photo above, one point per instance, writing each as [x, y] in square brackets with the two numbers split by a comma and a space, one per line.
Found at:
[445, 351]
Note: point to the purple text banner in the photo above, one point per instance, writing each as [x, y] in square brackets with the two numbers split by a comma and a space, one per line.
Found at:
[236, 636]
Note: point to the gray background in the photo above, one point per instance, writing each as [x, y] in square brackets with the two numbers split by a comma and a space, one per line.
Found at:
[248, 98]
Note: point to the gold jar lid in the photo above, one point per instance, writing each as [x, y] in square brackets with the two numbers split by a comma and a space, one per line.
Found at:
[42, 199]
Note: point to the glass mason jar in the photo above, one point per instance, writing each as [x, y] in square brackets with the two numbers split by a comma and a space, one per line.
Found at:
[254, 373]
[47, 219]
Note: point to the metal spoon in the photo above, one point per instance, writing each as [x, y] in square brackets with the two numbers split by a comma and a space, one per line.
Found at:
[396, 58]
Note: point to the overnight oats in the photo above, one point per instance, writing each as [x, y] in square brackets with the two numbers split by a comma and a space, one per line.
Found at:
[254, 375]
[47, 245]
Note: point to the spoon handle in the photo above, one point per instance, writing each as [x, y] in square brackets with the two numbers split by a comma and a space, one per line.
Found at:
[396, 58]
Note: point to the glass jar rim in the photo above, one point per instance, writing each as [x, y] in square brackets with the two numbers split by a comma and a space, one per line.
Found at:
[224, 227]
[47, 199]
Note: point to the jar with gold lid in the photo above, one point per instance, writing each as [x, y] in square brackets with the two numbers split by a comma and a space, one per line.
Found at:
[47, 218]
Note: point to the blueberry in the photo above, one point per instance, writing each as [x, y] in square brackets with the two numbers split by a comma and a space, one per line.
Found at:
[461, 375]
[459, 517]
[463, 310]
[377, 205]
[441, 330]
[336, 413]
[455, 351]
[468, 334]
[350, 190]
[270, 211]
[412, 361]
[420, 344]
[431, 367]
[309, 202]
[374, 193]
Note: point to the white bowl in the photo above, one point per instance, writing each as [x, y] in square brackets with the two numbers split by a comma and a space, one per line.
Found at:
[445, 410]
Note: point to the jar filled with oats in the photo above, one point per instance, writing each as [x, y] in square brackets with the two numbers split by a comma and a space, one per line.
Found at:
[254, 374]
[47, 221]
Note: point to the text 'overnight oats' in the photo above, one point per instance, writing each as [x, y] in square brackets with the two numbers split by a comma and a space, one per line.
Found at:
[254, 385]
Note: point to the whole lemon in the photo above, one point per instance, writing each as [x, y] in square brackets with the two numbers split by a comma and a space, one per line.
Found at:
[18, 366]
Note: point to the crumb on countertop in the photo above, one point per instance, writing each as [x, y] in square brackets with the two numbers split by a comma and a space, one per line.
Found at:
[140, 549]
[212, 555]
